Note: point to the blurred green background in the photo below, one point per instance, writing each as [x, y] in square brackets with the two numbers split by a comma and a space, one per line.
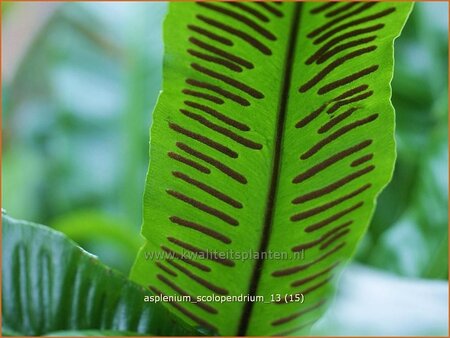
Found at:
[79, 84]
[77, 103]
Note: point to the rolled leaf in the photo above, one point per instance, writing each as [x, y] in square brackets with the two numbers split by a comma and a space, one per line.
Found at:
[50, 284]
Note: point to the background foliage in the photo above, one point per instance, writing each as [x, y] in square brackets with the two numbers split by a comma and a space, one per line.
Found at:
[80, 81]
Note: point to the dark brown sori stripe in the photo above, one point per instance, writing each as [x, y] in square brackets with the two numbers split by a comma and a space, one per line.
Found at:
[240, 34]
[186, 312]
[329, 161]
[270, 9]
[228, 80]
[275, 167]
[189, 162]
[339, 39]
[295, 269]
[336, 120]
[325, 56]
[351, 100]
[333, 65]
[341, 9]
[310, 117]
[218, 61]
[331, 219]
[238, 17]
[333, 186]
[208, 255]
[210, 35]
[219, 165]
[297, 314]
[220, 91]
[208, 189]
[225, 119]
[203, 207]
[198, 279]
[301, 282]
[364, 7]
[338, 133]
[326, 206]
[234, 58]
[334, 239]
[351, 92]
[205, 96]
[174, 254]
[323, 7]
[166, 269]
[221, 130]
[362, 160]
[322, 238]
[308, 290]
[183, 292]
[313, 288]
[250, 10]
[340, 28]
[203, 139]
[200, 228]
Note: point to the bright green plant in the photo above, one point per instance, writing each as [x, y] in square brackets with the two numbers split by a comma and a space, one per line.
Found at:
[274, 133]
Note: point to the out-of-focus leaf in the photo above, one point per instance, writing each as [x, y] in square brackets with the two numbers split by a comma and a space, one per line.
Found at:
[109, 237]
[50, 284]
[414, 245]
[89, 333]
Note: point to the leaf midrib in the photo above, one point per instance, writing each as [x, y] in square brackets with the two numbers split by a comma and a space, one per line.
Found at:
[270, 200]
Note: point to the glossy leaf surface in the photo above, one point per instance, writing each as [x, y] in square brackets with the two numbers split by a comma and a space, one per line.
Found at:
[50, 284]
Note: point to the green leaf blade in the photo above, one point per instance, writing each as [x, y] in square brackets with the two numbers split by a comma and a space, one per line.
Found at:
[266, 139]
[335, 162]
[50, 284]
